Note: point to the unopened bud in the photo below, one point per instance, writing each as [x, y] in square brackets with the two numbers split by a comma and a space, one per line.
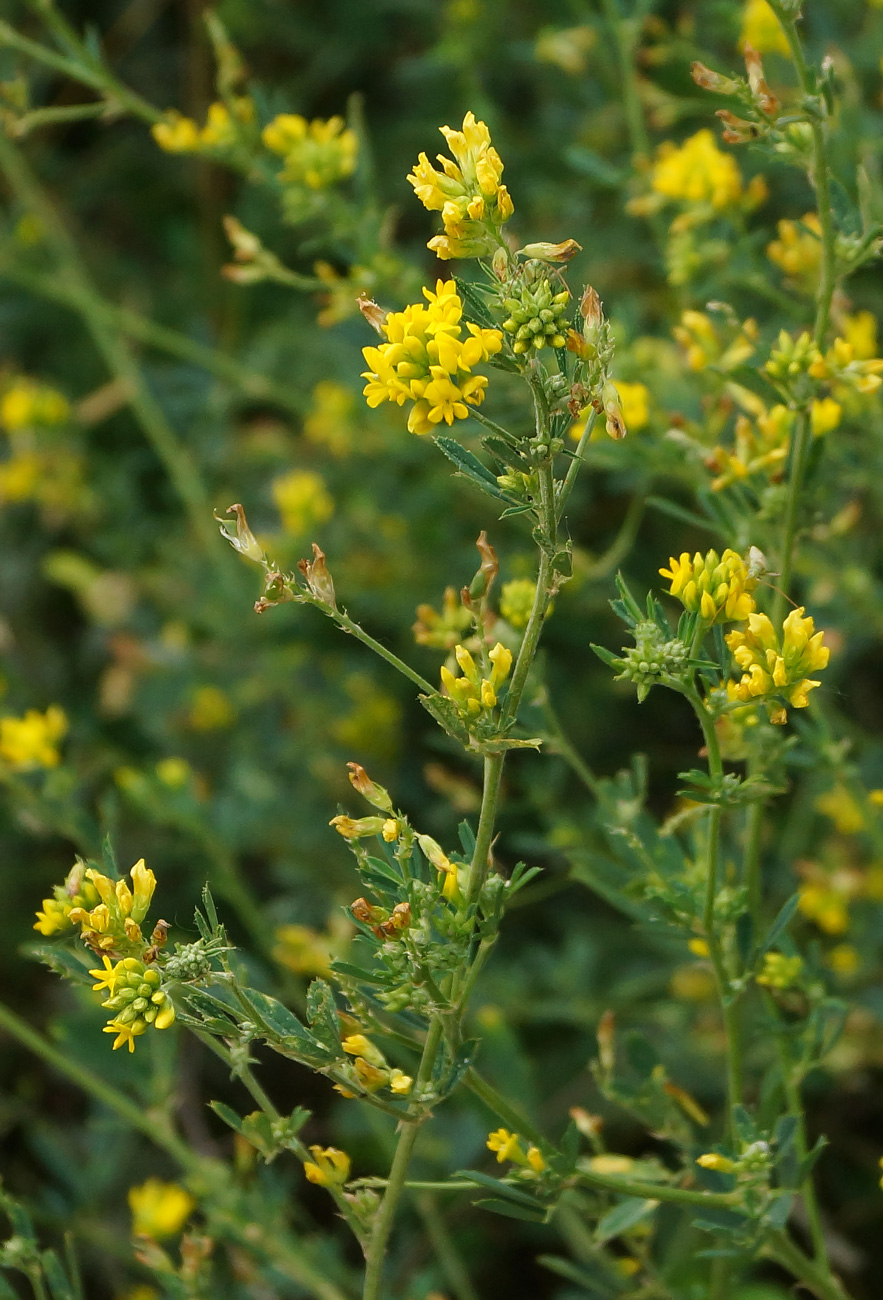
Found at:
[318, 578]
[590, 308]
[606, 1042]
[767, 101]
[356, 828]
[243, 540]
[553, 252]
[246, 246]
[589, 1125]
[487, 571]
[374, 314]
[711, 80]
[370, 790]
[736, 129]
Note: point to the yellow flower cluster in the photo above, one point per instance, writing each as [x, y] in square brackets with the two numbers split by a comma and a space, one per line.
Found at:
[775, 668]
[427, 362]
[77, 891]
[32, 741]
[302, 500]
[25, 403]
[468, 193]
[840, 365]
[779, 971]
[328, 1168]
[761, 447]
[798, 250]
[697, 172]
[371, 1069]
[473, 693]
[516, 601]
[159, 1209]
[717, 587]
[507, 1146]
[762, 29]
[442, 630]
[704, 344]
[317, 154]
[223, 129]
[136, 999]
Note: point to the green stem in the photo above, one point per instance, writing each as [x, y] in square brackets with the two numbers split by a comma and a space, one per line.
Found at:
[445, 1248]
[816, 1279]
[529, 644]
[181, 470]
[819, 177]
[346, 623]
[752, 871]
[493, 773]
[559, 743]
[161, 337]
[575, 465]
[623, 33]
[658, 1191]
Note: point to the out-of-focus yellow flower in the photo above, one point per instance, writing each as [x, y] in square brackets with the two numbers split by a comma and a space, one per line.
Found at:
[159, 1209]
[843, 959]
[779, 971]
[174, 772]
[635, 404]
[176, 133]
[468, 193]
[714, 1160]
[329, 422]
[309, 952]
[328, 1168]
[840, 365]
[775, 668]
[860, 332]
[427, 362]
[705, 344]
[567, 47]
[761, 28]
[317, 154]
[825, 415]
[798, 249]
[692, 983]
[697, 172]
[32, 741]
[825, 896]
[717, 587]
[443, 630]
[25, 404]
[610, 1164]
[516, 601]
[374, 723]
[210, 709]
[843, 809]
[302, 500]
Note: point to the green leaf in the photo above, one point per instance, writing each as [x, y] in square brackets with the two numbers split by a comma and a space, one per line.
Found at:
[498, 1186]
[59, 1284]
[511, 1211]
[349, 971]
[777, 1214]
[593, 164]
[779, 925]
[322, 1014]
[622, 1217]
[476, 309]
[471, 467]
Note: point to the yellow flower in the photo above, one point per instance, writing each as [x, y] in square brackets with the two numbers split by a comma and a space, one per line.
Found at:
[692, 984]
[329, 422]
[634, 401]
[516, 601]
[107, 977]
[211, 709]
[359, 1045]
[468, 193]
[717, 587]
[697, 172]
[25, 404]
[32, 741]
[713, 1160]
[825, 415]
[507, 1146]
[568, 47]
[176, 134]
[222, 126]
[779, 971]
[427, 362]
[302, 500]
[443, 631]
[761, 28]
[472, 693]
[174, 772]
[125, 1033]
[328, 1168]
[843, 809]
[798, 250]
[76, 892]
[610, 1164]
[841, 365]
[400, 1083]
[317, 154]
[159, 1209]
[843, 959]
[774, 667]
[860, 332]
[704, 344]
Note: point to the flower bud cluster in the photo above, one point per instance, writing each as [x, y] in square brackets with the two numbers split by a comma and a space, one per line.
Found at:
[717, 587]
[370, 1070]
[190, 961]
[652, 656]
[779, 971]
[537, 315]
[137, 999]
[226, 125]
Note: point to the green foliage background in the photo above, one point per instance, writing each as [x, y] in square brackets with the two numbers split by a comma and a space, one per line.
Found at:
[126, 634]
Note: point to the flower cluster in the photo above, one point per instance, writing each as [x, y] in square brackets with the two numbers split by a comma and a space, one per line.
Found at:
[113, 924]
[442, 630]
[798, 249]
[761, 446]
[78, 892]
[32, 741]
[700, 177]
[224, 127]
[136, 999]
[717, 587]
[774, 667]
[507, 1146]
[316, 154]
[706, 345]
[779, 971]
[538, 315]
[468, 193]
[517, 600]
[841, 366]
[473, 693]
[427, 361]
[371, 1070]
[26, 403]
[329, 1167]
